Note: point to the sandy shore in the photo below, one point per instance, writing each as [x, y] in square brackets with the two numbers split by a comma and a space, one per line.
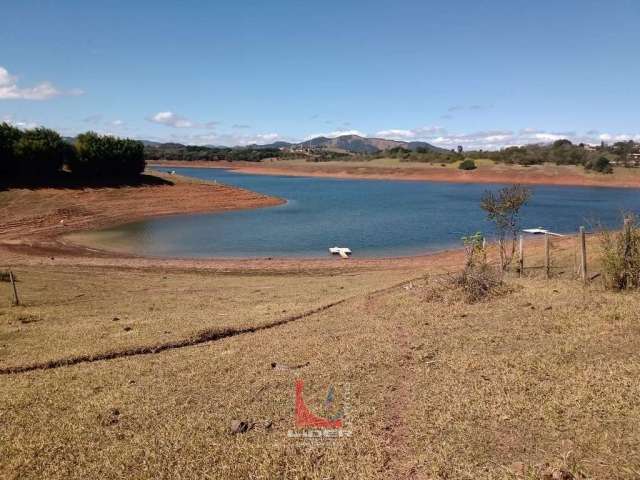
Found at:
[485, 174]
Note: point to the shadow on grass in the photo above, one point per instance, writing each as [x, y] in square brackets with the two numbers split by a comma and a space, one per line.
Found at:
[65, 180]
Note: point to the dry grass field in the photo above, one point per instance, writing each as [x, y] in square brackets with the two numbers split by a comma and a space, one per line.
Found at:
[540, 380]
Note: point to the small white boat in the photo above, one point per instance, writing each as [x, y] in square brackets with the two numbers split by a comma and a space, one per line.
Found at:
[342, 251]
[541, 231]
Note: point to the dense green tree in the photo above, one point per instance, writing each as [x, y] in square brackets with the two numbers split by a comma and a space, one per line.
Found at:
[9, 136]
[106, 157]
[601, 164]
[39, 154]
[175, 151]
[467, 164]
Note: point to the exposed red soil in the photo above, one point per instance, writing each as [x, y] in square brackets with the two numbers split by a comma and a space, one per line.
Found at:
[535, 175]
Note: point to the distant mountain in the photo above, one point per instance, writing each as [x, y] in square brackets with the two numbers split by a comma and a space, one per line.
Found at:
[358, 144]
[344, 143]
[149, 143]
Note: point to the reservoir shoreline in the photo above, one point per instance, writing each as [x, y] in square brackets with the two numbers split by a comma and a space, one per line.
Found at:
[43, 238]
[534, 175]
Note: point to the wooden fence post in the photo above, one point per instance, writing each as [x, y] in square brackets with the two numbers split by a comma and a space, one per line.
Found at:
[583, 255]
[16, 299]
[576, 268]
[521, 254]
[547, 258]
[627, 251]
[484, 250]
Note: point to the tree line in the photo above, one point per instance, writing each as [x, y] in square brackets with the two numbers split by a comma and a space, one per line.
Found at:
[192, 153]
[41, 155]
[564, 152]
[561, 152]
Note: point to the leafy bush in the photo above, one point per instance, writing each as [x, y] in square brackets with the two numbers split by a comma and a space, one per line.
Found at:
[601, 164]
[467, 164]
[474, 249]
[107, 157]
[621, 256]
[38, 153]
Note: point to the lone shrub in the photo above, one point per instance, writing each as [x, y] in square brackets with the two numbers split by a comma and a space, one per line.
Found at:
[503, 210]
[478, 279]
[467, 164]
[621, 256]
[601, 164]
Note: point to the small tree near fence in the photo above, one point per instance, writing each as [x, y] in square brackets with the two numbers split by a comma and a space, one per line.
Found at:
[478, 279]
[474, 249]
[503, 210]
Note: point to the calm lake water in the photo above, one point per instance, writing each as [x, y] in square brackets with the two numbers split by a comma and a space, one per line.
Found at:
[372, 217]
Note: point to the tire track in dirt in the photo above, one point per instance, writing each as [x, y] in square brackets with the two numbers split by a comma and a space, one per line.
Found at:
[206, 336]
[398, 399]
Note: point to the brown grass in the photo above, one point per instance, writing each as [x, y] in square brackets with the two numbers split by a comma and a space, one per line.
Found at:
[544, 377]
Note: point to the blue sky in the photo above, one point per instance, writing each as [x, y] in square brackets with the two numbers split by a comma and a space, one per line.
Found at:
[483, 74]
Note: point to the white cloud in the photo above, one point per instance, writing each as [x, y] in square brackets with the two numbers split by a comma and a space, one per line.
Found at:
[10, 90]
[213, 138]
[171, 119]
[396, 134]
[548, 137]
[497, 139]
[117, 123]
[409, 135]
[22, 124]
[267, 137]
[494, 140]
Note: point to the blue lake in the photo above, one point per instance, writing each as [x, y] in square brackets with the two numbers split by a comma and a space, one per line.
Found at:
[372, 217]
